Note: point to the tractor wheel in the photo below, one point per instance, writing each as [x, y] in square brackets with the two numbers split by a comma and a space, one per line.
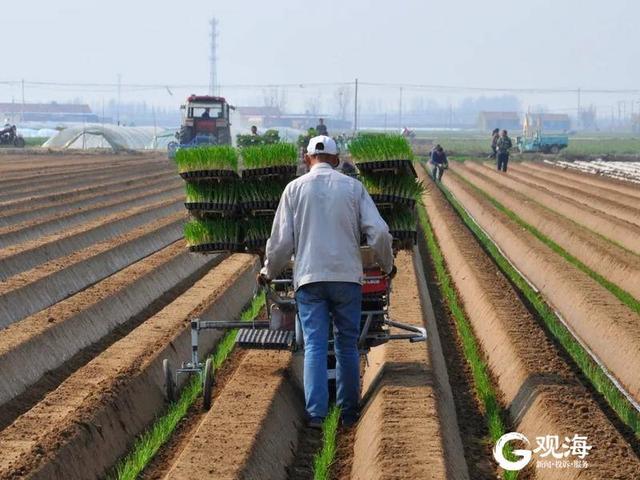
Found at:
[172, 148]
[207, 384]
[554, 149]
[224, 137]
[19, 142]
[169, 382]
[185, 135]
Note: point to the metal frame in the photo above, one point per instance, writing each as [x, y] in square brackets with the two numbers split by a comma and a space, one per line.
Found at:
[415, 334]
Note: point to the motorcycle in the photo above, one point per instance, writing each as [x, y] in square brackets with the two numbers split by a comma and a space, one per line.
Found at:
[9, 137]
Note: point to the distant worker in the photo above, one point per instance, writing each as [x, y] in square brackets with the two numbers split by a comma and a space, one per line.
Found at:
[439, 163]
[321, 218]
[205, 114]
[503, 146]
[348, 169]
[494, 142]
[254, 130]
[321, 128]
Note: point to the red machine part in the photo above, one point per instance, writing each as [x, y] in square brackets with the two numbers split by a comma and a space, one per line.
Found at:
[379, 285]
[205, 98]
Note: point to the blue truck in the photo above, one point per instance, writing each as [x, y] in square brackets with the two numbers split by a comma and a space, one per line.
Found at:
[544, 143]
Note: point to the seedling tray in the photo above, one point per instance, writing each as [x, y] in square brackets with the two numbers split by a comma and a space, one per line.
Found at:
[217, 247]
[206, 175]
[256, 244]
[376, 166]
[279, 170]
[386, 200]
[209, 207]
[270, 205]
[404, 235]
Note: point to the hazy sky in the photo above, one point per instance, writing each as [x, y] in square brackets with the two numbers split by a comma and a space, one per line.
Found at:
[513, 43]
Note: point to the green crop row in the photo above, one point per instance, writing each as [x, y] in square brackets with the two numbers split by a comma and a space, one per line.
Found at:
[258, 228]
[219, 230]
[149, 443]
[402, 186]
[479, 369]
[380, 147]
[580, 356]
[325, 457]
[225, 157]
[400, 219]
[261, 191]
[216, 157]
[234, 192]
[221, 192]
[272, 155]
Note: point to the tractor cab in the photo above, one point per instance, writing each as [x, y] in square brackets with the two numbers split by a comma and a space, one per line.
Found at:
[205, 121]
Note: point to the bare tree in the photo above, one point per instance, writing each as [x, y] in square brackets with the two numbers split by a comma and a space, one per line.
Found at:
[343, 96]
[275, 97]
[313, 105]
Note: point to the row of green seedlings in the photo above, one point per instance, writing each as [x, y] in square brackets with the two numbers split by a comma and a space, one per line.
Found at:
[597, 377]
[391, 188]
[224, 157]
[147, 445]
[483, 385]
[228, 194]
[380, 147]
[229, 233]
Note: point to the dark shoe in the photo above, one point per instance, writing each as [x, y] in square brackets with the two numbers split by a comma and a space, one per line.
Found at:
[315, 422]
[349, 422]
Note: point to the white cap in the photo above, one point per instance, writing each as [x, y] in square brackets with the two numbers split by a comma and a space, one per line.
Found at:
[322, 144]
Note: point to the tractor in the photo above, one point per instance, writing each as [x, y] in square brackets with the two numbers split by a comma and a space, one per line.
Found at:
[205, 121]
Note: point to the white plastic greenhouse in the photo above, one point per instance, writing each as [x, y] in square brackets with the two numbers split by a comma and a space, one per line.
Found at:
[105, 136]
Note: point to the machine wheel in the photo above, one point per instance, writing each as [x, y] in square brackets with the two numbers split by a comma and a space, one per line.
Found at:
[554, 149]
[169, 382]
[185, 135]
[207, 384]
[19, 142]
[172, 148]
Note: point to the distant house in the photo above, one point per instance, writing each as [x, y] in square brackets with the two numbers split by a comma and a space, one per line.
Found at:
[259, 116]
[487, 121]
[267, 117]
[549, 122]
[47, 112]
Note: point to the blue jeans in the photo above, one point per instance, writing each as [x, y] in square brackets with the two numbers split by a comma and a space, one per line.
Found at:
[316, 302]
[503, 160]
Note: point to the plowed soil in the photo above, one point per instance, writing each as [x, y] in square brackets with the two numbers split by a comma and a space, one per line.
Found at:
[606, 325]
[601, 192]
[75, 411]
[629, 213]
[609, 183]
[539, 388]
[609, 260]
[420, 419]
[619, 231]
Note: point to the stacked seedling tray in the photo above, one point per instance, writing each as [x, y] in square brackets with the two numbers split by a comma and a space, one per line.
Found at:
[211, 176]
[385, 165]
[232, 208]
[266, 170]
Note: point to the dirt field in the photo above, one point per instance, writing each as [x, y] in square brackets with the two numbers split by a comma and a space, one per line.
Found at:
[97, 288]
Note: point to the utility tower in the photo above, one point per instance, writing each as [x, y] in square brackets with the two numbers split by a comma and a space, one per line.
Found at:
[213, 73]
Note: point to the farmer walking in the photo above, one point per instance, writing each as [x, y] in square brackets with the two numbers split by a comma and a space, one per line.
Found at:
[495, 135]
[320, 219]
[503, 146]
[321, 128]
[439, 163]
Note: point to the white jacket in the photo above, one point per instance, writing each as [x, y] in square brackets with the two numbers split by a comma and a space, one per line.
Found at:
[320, 219]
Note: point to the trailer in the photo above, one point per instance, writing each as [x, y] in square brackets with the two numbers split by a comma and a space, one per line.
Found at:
[545, 143]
